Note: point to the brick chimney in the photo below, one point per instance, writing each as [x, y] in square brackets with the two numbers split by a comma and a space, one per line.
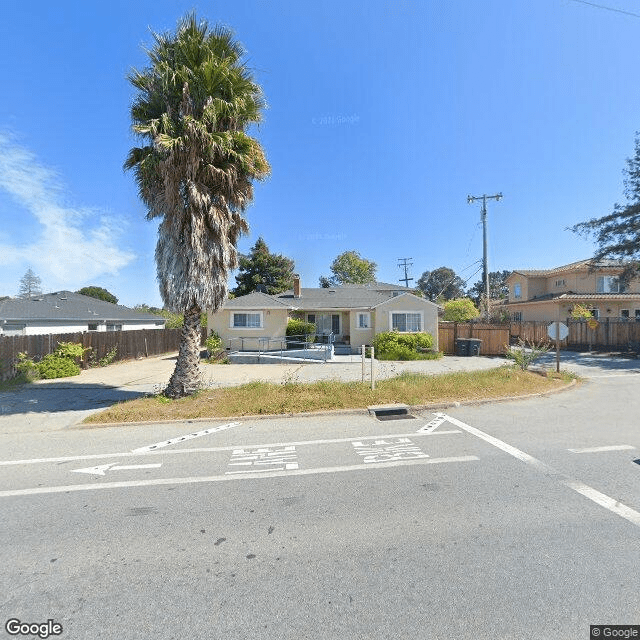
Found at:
[296, 285]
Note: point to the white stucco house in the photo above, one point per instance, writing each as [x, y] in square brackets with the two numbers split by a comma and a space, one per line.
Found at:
[353, 314]
[68, 312]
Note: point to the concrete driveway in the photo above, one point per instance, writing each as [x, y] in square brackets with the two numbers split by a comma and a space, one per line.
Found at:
[49, 405]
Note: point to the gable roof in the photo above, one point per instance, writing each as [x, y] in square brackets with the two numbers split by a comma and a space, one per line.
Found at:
[335, 298]
[66, 305]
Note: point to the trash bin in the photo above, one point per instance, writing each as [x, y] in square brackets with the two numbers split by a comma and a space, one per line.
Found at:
[462, 347]
[474, 346]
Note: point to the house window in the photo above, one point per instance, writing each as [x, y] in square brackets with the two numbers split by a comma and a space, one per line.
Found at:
[516, 316]
[517, 290]
[624, 314]
[114, 327]
[406, 322]
[364, 321]
[247, 320]
[560, 283]
[637, 313]
[92, 326]
[311, 317]
[607, 284]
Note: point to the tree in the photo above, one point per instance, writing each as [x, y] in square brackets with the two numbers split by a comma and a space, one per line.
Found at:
[261, 267]
[30, 285]
[498, 287]
[195, 172]
[460, 310]
[441, 283]
[99, 293]
[350, 268]
[617, 234]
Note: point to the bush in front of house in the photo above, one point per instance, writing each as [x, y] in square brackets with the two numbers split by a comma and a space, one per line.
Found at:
[392, 345]
[460, 310]
[54, 366]
[297, 327]
[62, 363]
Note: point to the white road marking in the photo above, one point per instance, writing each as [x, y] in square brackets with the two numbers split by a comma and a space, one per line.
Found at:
[129, 454]
[385, 451]
[615, 447]
[223, 478]
[588, 492]
[102, 469]
[189, 436]
[433, 424]
[284, 458]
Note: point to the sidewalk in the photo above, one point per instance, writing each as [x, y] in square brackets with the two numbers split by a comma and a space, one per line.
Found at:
[150, 375]
[48, 405]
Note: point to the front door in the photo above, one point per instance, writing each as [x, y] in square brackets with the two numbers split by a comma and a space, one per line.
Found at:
[326, 323]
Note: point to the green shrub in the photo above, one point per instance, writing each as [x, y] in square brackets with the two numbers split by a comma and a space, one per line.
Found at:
[54, 366]
[109, 357]
[213, 343]
[392, 345]
[70, 350]
[460, 310]
[27, 368]
[298, 327]
[526, 353]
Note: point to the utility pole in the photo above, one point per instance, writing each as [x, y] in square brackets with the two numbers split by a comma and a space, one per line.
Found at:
[406, 264]
[485, 259]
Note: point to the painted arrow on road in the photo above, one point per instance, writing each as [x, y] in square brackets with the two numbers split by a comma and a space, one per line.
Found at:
[103, 468]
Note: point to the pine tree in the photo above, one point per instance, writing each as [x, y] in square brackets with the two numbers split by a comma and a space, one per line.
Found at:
[30, 285]
[617, 234]
[264, 271]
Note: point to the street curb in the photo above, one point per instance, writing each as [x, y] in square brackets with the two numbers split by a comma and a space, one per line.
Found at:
[333, 412]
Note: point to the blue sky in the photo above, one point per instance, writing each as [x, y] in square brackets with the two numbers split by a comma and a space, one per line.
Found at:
[383, 116]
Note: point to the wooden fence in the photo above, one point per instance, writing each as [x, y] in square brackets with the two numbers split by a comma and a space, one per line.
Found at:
[494, 336]
[609, 335]
[128, 344]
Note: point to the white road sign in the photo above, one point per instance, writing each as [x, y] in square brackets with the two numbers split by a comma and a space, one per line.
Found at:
[564, 330]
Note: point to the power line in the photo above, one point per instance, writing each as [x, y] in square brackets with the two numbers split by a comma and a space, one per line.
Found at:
[601, 6]
[485, 258]
[406, 264]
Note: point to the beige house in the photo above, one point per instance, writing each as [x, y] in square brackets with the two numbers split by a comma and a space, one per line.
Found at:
[551, 294]
[352, 314]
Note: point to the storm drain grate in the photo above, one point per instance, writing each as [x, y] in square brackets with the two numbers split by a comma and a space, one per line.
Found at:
[400, 412]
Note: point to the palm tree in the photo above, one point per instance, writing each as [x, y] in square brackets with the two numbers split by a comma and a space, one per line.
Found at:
[193, 106]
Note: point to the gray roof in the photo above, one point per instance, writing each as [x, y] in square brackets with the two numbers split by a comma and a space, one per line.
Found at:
[335, 298]
[258, 300]
[66, 305]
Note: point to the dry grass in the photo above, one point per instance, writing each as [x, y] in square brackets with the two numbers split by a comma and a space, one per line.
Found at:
[261, 398]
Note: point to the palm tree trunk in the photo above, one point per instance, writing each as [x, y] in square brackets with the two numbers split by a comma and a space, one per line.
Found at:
[185, 379]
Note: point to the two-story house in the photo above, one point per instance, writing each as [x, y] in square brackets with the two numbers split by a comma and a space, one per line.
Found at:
[551, 294]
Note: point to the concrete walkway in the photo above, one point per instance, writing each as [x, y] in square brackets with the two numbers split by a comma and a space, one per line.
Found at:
[48, 405]
[56, 404]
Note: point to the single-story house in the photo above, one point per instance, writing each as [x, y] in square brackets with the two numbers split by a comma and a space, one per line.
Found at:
[67, 312]
[354, 314]
[551, 294]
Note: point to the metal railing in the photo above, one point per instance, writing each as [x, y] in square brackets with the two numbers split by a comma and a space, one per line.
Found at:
[264, 345]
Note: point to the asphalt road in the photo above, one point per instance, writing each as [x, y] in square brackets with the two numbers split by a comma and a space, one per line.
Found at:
[515, 520]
